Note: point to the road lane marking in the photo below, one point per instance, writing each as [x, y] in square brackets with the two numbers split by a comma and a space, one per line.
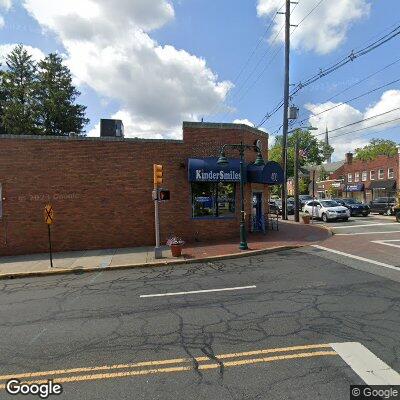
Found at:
[364, 225]
[198, 291]
[122, 374]
[381, 264]
[163, 362]
[365, 233]
[385, 242]
[371, 369]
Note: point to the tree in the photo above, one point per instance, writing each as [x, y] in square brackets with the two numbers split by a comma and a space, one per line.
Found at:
[375, 148]
[58, 113]
[314, 150]
[20, 93]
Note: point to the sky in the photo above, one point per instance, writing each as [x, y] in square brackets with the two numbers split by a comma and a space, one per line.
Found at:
[156, 63]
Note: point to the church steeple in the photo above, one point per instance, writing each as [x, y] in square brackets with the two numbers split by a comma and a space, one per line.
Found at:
[329, 157]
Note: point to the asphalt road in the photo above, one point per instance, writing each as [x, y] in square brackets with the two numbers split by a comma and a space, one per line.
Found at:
[96, 335]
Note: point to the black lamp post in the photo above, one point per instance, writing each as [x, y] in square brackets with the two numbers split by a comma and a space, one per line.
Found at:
[223, 161]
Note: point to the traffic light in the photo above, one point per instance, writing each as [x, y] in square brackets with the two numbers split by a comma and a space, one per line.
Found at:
[157, 174]
[163, 194]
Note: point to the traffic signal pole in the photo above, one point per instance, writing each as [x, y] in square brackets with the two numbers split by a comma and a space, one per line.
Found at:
[157, 177]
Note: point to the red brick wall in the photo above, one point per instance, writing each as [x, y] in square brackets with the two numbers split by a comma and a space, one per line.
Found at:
[381, 162]
[101, 189]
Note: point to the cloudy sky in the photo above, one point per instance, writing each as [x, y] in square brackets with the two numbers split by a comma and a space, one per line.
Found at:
[154, 63]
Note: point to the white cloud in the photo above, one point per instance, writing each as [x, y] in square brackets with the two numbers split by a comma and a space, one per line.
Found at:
[6, 5]
[346, 114]
[325, 29]
[244, 121]
[6, 49]
[110, 49]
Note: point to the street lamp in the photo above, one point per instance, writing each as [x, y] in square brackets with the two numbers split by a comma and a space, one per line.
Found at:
[296, 171]
[223, 161]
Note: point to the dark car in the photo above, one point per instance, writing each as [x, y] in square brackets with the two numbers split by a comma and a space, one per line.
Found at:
[275, 206]
[355, 207]
[383, 205]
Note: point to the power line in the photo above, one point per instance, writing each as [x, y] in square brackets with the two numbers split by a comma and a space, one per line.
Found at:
[366, 128]
[349, 100]
[362, 80]
[324, 72]
[359, 122]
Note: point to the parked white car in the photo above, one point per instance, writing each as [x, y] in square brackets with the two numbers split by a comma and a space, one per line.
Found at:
[327, 210]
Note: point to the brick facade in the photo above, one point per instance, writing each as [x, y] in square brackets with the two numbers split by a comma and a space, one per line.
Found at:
[100, 188]
[355, 168]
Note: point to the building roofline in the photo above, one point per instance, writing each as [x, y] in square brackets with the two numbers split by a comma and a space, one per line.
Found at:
[219, 125]
[89, 139]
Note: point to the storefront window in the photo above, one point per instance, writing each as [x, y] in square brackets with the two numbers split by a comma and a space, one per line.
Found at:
[381, 174]
[213, 200]
[357, 177]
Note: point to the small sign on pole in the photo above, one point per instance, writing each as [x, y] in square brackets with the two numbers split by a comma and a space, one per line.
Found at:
[49, 220]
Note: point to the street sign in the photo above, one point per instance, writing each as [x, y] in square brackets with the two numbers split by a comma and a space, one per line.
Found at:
[48, 214]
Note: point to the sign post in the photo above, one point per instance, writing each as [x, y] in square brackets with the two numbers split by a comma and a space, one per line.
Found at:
[49, 219]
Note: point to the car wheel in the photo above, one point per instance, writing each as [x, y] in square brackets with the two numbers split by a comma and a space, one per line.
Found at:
[365, 215]
[324, 217]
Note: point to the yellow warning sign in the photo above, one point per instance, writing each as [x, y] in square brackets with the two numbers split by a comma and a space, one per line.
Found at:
[48, 214]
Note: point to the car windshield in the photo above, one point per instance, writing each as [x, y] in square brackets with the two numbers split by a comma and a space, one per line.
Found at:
[329, 203]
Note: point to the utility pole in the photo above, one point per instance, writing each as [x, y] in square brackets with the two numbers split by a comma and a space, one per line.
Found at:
[296, 181]
[285, 109]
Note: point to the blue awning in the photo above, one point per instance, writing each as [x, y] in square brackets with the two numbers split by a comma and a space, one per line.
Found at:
[358, 187]
[271, 173]
[207, 170]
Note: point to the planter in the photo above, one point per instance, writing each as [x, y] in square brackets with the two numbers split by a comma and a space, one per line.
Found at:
[306, 219]
[176, 250]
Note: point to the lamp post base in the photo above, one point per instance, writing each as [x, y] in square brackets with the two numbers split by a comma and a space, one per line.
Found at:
[243, 246]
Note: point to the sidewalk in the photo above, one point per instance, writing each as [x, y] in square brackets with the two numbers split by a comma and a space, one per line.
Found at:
[290, 235]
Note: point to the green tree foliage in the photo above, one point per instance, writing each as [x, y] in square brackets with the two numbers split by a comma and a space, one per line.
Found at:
[19, 88]
[375, 148]
[38, 99]
[315, 153]
[58, 113]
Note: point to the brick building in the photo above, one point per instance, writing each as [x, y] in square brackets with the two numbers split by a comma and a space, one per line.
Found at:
[367, 180]
[100, 188]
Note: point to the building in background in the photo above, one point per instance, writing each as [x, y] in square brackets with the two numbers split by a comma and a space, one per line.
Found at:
[368, 180]
[111, 128]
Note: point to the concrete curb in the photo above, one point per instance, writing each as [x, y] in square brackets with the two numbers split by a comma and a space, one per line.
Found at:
[18, 275]
[326, 228]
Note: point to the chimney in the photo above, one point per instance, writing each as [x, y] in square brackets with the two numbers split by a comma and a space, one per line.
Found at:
[349, 158]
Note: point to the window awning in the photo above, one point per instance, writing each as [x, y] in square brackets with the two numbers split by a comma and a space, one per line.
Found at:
[271, 173]
[356, 187]
[388, 184]
[207, 170]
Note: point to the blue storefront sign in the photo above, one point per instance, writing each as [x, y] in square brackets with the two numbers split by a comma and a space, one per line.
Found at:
[207, 170]
[357, 187]
[270, 174]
